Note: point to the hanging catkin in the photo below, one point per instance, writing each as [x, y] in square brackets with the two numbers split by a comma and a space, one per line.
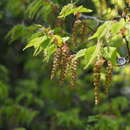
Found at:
[83, 30]
[97, 68]
[56, 62]
[108, 80]
[75, 31]
[73, 70]
[64, 61]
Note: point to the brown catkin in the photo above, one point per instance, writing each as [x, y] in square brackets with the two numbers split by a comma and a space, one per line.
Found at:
[73, 70]
[83, 30]
[56, 62]
[75, 31]
[64, 61]
[108, 80]
[59, 22]
[97, 68]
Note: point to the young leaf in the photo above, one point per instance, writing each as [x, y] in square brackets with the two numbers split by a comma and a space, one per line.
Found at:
[82, 9]
[33, 8]
[48, 52]
[65, 39]
[81, 53]
[101, 31]
[92, 53]
[66, 10]
[71, 9]
[36, 42]
[110, 53]
[116, 27]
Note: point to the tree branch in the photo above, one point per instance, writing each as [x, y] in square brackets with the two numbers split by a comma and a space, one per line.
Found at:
[92, 18]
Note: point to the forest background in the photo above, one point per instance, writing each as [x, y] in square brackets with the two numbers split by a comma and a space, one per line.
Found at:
[29, 99]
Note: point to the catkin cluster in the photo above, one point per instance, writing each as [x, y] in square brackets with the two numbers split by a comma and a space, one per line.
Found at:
[60, 61]
[79, 28]
[64, 63]
[97, 77]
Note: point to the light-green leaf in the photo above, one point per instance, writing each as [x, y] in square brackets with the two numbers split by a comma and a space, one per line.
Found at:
[92, 53]
[110, 53]
[48, 52]
[66, 10]
[71, 9]
[116, 27]
[101, 31]
[81, 53]
[36, 42]
[82, 9]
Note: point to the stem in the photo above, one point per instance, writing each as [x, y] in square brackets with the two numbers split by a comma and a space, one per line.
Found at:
[127, 46]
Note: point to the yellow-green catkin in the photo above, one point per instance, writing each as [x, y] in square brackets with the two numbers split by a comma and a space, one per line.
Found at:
[108, 80]
[73, 70]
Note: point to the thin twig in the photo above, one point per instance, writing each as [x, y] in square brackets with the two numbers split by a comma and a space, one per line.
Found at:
[83, 16]
[127, 46]
[92, 18]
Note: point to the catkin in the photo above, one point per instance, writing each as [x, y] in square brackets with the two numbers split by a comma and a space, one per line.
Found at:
[56, 62]
[97, 69]
[64, 62]
[108, 77]
[83, 30]
[73, 70]
[59, 22]
[75, 31]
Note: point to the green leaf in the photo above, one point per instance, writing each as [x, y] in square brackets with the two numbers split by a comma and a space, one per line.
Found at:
[3, 90]
[102, 30]
[71, 9]
[116, 27]
[19, 129]
[92, 119]
[65, 39]
[48, 52]
[17, 32]
[92, 53]
[82, 9]
[110, 53]
[81, 53]
[33, 8]
[66, 10]
[116, 41]
[36, 42]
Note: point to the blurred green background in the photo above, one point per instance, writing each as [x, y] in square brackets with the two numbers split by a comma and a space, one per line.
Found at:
[29, 100]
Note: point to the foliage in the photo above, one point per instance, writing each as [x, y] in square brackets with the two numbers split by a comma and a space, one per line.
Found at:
[88, 37]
